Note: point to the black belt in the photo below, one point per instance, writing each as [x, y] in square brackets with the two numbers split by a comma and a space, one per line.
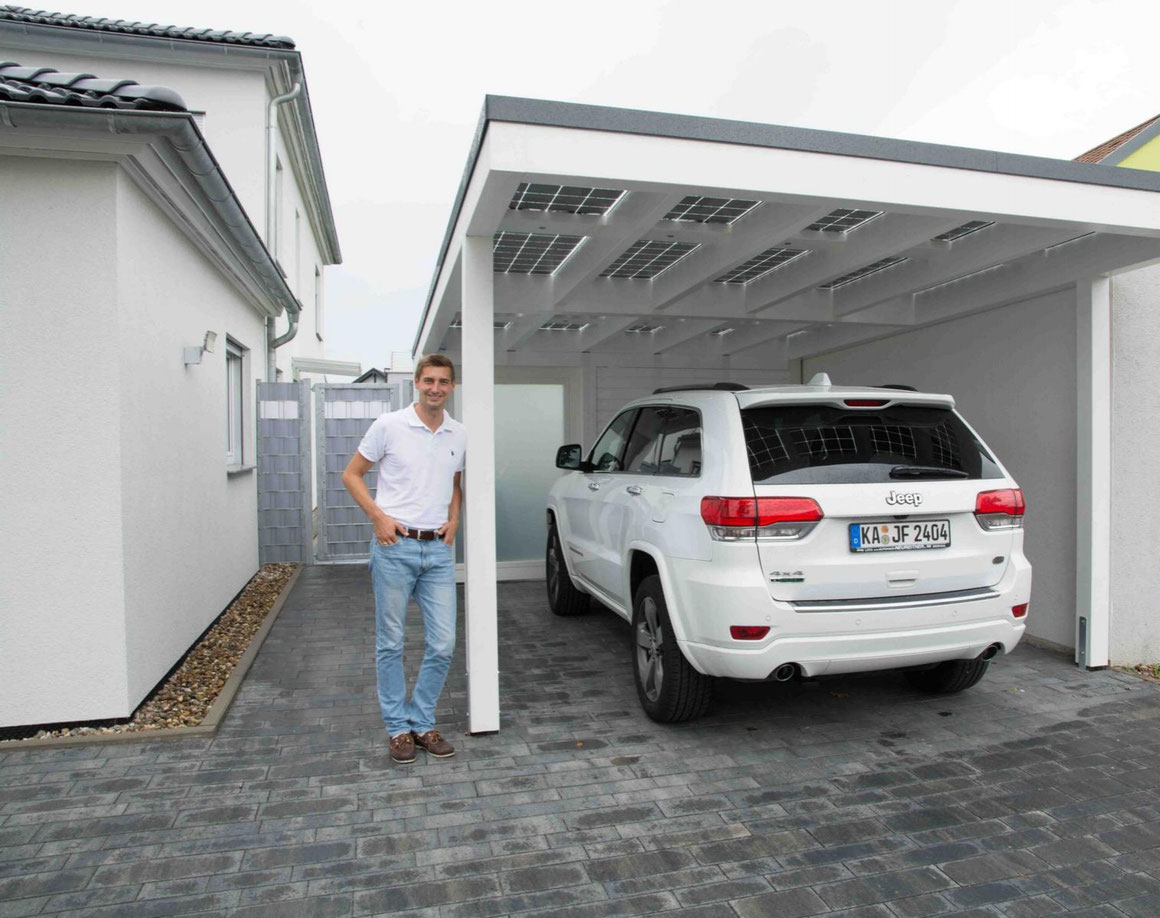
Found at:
[423, 535]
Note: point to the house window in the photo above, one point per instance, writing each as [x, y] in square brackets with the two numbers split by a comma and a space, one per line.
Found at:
[279, 196]
[235, 392]
[297, 252]
[317, 302]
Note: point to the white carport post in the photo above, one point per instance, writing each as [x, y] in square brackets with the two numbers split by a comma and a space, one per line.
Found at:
[478, 310]
[1093, 601]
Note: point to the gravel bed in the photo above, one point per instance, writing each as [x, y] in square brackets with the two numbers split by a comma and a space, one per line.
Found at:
[184, 697]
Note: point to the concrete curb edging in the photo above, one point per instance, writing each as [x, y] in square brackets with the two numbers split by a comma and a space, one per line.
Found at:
[214, 716]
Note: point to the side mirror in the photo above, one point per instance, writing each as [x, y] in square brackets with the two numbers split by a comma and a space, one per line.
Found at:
[569, 457]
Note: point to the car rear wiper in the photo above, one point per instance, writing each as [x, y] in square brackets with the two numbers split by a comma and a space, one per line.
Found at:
[926, 471]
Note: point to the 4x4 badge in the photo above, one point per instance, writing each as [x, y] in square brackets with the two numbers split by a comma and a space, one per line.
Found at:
[904, 497]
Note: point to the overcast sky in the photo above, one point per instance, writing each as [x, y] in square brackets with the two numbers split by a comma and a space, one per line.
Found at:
[397, 90]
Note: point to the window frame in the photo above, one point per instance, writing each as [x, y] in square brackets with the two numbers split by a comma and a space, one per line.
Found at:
[665, 436]
[638, 411]
[279, 212]
[318, 302]
[235, 404]
[654, 444]
[623, 443]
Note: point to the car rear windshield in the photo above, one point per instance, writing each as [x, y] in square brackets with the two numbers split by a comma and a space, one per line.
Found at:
[792, 444]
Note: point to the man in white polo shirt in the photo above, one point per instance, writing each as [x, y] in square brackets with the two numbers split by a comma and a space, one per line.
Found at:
[415, 511]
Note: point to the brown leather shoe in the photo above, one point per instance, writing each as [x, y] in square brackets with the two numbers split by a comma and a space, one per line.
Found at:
[434, 744]
[403, 749]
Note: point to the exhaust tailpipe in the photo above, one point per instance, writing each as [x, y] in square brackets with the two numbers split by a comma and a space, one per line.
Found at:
[990, 653]
[785, 672]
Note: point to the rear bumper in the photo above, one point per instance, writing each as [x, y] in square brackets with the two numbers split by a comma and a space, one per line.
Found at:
[880, 635]
[854, 653]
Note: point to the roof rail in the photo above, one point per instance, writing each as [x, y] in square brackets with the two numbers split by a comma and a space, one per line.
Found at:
[717, 387]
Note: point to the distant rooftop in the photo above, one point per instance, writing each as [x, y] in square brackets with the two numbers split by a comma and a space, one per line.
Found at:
[1108, 147]
[44, 85]
[14, 13]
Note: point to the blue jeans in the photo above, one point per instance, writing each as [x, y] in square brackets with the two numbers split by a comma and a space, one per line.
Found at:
[425, 570]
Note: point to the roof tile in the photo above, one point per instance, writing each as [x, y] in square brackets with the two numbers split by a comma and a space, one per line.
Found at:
[46, 86]
[14, 13]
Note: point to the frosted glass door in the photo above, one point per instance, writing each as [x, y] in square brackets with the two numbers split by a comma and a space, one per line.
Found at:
[529, 428]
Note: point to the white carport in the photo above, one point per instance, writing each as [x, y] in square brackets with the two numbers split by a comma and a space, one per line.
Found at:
[679, 248]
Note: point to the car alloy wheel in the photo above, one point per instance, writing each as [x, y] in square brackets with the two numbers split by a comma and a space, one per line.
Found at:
[668, 687]
[563, 597]
[649, 650]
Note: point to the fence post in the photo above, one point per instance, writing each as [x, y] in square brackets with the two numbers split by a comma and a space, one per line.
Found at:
[322, 549]
[304, 464]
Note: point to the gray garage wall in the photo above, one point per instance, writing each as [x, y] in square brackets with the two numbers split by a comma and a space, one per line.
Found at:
[1135, 634]
[1012, 372]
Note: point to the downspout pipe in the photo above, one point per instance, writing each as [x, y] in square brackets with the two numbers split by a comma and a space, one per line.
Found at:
[272, 342]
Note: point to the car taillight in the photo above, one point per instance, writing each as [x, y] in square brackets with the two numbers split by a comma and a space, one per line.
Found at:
[1000, 509]
[1020, 610]
[732, 519]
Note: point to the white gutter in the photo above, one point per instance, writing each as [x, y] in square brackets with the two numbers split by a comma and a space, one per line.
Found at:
[272, 342]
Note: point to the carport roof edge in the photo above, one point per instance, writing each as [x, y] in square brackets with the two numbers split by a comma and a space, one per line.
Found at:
[749, 133]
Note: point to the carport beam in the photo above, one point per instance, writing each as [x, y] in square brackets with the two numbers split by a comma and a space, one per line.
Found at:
[1093, 601]
[478, 308]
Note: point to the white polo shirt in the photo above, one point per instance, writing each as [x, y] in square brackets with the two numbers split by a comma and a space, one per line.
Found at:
[417, 466]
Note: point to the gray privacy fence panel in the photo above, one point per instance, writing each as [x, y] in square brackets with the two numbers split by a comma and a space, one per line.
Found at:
[342, 414]
[284, 506]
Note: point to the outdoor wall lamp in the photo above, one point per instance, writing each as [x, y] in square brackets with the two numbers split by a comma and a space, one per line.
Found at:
[193, 354]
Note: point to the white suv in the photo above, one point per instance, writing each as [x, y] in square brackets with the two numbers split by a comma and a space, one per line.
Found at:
[791, 531]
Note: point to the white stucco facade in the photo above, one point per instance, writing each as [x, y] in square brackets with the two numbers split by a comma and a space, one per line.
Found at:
[229, 93]
[183, 516]
[62, 530]
[117, 500]
[131, 237]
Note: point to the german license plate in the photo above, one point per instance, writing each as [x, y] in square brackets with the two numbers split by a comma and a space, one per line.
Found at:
[900, 536]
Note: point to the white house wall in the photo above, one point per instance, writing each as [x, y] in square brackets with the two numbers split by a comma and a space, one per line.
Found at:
[233, 100]
[62, 629]
[299, 256]
[189, 529]
[1012, 373]
[1135, 581]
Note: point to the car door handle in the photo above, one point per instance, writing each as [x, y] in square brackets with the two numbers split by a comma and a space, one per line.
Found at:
[634, 489]
[593, 486]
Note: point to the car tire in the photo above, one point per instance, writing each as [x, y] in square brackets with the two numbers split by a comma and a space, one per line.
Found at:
[670, 690]
[949, 677]
[563, 597]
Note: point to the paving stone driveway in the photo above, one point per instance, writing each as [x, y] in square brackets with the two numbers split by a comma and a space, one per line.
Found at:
[1035, 793]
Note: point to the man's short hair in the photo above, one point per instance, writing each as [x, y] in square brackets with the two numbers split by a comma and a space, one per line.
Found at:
[434, 360]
